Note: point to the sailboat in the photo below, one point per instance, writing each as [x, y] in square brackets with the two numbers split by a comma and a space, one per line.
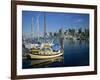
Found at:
[45, 50]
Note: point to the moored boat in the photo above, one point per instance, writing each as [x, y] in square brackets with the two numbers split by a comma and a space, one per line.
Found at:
[46, 52]
[43, 50]
[45, 56]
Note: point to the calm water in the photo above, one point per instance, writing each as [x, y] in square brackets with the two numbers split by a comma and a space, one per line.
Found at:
[76, 53]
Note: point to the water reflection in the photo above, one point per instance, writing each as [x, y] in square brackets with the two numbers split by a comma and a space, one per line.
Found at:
[71, 42]
[76, 53]
[41, 63]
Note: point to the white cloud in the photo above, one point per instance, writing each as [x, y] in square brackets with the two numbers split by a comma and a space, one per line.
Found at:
[78, 20]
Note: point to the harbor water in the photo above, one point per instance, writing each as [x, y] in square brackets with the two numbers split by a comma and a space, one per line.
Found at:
[76, 53]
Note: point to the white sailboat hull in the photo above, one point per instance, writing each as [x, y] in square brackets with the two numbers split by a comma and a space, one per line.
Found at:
[34, 56]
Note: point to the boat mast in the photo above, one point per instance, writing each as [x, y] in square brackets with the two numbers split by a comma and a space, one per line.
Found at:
[44, 27]
[38, 26]
[32, 29]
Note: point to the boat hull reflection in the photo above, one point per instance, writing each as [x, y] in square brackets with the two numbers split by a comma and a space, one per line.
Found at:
[34, 63]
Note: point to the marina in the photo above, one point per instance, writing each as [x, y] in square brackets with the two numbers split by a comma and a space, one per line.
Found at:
[76, 53]
[42, 49]
[64, 47]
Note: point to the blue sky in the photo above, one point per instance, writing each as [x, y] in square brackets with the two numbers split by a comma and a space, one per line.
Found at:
[54, 21]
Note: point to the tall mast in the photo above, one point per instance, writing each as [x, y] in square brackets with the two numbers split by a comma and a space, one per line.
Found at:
[44, 26]
[38, 26]
[32, 29]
